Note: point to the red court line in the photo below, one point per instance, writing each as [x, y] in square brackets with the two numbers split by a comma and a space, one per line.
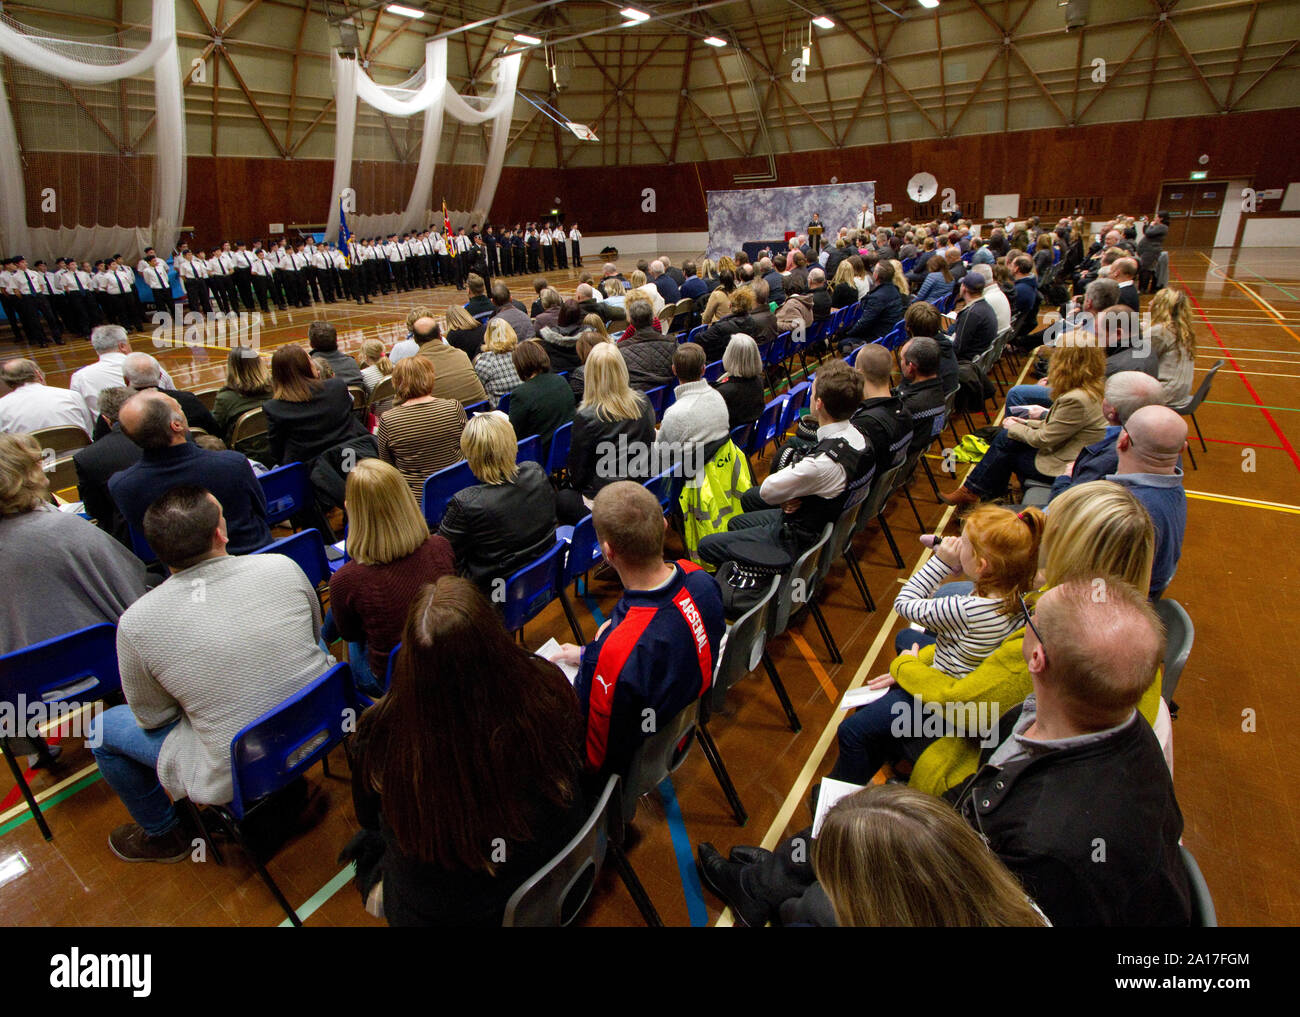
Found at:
[1286, 445]
[1247, 444]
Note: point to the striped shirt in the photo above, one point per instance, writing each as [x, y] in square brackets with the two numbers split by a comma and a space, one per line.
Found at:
[421, 439]
[968, 628]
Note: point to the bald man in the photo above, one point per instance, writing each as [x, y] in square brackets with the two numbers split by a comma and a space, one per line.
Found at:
[454, 372]
[1126, 393]
[141, 371]
[1149, 447]
[155, 421]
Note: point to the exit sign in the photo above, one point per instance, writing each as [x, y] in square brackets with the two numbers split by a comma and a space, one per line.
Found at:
[1197, 175]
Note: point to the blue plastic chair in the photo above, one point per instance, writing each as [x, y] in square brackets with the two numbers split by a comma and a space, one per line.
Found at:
[140, 546]
[908, 264]
[658, 400]
[582, 556]
[532, 587]
[288, 491]
[713, 371]
[78, 667]
[482, 406]
[441, 487]
[530, 450]
[503, 404]
[307, 549]
[798, 398]
[695, 333]
[557, 456]
[766, 428]
[272, 751]
[661, 487]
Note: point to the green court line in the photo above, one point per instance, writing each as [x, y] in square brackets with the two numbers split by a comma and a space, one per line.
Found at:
[66, 793]
[323, 894]
[1269, 281]
[1253, 406]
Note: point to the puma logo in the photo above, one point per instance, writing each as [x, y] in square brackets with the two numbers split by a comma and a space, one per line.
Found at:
[603, 684]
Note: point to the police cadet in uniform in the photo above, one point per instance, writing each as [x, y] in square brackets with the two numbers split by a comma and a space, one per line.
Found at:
[544, 239]
[575, 239]
[196, 290]
[262, 274]
[54, 292]
[490, 241]
[557, 244]
[131, 305]
[154, 273]
[29, 287]
[534, 242]
[8, 301]
[241, 273]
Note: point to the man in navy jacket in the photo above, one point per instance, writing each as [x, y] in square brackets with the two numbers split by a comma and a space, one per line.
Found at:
[882, 309]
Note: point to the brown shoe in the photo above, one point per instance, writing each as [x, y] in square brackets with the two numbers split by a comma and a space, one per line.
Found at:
[960, 498]
[131, 844]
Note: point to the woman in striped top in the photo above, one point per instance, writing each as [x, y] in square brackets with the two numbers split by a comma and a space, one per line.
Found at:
[421, 434]
[998, 550]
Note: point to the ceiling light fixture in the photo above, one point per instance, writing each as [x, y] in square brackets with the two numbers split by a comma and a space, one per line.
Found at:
[406, 12]
[633, 15]
[932, 4]
[713, 40]
[823, 22]
[528, 40]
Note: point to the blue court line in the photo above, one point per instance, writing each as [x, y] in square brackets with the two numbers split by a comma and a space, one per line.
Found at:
[592, 606]
[694, 893]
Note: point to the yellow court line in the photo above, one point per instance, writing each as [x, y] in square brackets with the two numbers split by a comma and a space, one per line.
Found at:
[1274, 506]
[49, 792]
[1253, 296]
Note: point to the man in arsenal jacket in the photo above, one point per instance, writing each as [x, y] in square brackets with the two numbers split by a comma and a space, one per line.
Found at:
[655, 656]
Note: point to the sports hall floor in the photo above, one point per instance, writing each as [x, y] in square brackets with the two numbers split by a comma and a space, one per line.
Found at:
[1237, 579]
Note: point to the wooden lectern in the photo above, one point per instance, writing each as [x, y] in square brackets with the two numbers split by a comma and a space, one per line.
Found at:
[815, 238]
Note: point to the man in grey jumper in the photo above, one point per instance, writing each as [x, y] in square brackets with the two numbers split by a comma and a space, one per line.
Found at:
[224, 640]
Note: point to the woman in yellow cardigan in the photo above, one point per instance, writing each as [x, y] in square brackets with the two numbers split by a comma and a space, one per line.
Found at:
[1094, 531]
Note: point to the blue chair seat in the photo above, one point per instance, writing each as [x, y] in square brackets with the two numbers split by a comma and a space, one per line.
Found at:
[288, 491]
[441, 487]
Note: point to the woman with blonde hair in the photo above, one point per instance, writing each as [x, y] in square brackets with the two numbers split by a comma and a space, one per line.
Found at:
[890, 856]
[1041, 448]
[508, 518]
[844, 287]
[612, 416]
[1174, 339]
[719, 302]
[639, 286]
[391, 556]
[248, 386]
[900, 278]
[375, 365]
[1097, 528]
[493, 365]
[420, 435]
[588, 340]
[594, 323]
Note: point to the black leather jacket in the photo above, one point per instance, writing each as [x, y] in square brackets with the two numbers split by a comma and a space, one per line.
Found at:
[498, 528]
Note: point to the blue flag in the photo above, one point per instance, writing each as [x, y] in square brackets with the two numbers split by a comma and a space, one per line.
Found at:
[345, 234]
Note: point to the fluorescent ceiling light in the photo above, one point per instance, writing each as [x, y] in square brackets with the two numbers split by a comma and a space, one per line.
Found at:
[528, 40]
[713, 40]
[406, 12]
[807, 56]
[929, 3]
[823, 22]
[633, 15]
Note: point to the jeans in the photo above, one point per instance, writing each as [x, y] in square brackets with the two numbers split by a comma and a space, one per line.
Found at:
[1029, 395]
[764, 524]
[1006, 455]
[867, 740]
[358, 657]
[127, 756]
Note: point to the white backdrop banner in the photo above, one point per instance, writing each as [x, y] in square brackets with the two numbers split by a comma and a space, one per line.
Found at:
[767, 213]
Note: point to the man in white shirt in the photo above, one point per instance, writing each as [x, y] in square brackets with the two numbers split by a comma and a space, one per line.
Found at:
[194, 277]
[29, 286]
[132, 309]
[8, 301]
[112, 346]
[557, 245]
[155, 276]
[73, 311]
[548, 259]
[575, 239]
[31, 405]
[994, 296]
[239, 264]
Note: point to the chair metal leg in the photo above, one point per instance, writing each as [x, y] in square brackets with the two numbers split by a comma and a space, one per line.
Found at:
[710, 749]
[634, 887]
[196, 820]
[855, 570]
[825, 630]
[770, 666]
[573, 619]
[1191, 456]
[930, 476]
[1198, 432]
[21, 781]
[266, 876]
[889, 536]
[919, 524]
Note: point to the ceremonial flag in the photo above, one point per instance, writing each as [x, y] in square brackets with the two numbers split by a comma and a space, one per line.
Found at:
[446, 220]
[345, 234]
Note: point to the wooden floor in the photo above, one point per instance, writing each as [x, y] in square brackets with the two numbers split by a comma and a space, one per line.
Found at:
[1238, 725]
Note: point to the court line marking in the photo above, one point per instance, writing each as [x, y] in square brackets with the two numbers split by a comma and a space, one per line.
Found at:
[1249, 292]
[314, 902]
[1247, 444]
[814, 665]
[1244, 380]
[50, 797]
[1266, 279]
[1272, 506]
[799, 790]
[685, 855]
[1219, 402]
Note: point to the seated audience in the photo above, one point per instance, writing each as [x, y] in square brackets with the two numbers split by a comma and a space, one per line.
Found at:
[995, 298]
[31, 405]
[641, 289]
[494, 366]
[881, 417]
[1173, 339]
[819, 294]
[658, 649]
[391, 556]
[463, 332]
[741, 386]
[323, 338]
[197, 671]
[1124, 272]
[507, 519]
[506, 311]
[154, 421]
[977, 323]
[479, 305]
[550, 300]
[664, 283]
[543, 401]
[921, 390]
[1126, 392]
[699, 414]
[845, 288]
[101, 460]
[797, 311]
[305, 416]
[141, 371]
[452, 368]
[377, 366]
[719, 302]
[693, 286]
[937, 281]
[613, 429]
[715, 337]
[882, 308]
[588, 340]
[1040, 449]
[248, 387]
[111, 347]
[420, 435]
[561, 339]
[468, 709]
[648, 353]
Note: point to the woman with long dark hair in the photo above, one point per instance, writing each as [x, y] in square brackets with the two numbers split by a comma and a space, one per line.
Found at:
[466, 776]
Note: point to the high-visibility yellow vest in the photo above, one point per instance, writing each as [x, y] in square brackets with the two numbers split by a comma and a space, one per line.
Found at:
[712, 498]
